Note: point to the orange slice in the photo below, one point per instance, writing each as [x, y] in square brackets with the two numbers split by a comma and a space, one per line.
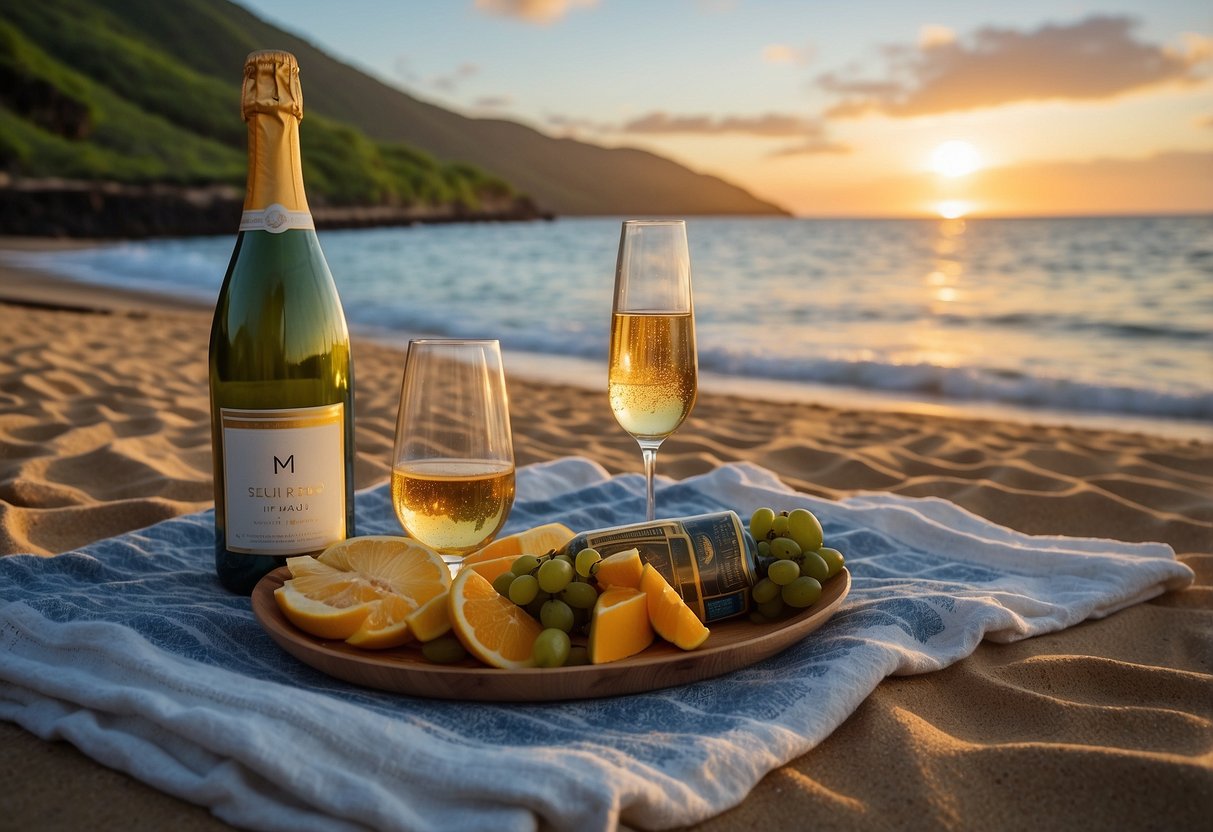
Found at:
[490, 569]
[362, 589]
[432, 619]
[620, 626]
[536, 541]
[620, 569]
[671, 618]
[492, 628]
[386, 626]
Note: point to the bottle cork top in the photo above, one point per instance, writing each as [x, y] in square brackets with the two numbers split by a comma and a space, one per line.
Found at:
[271, 84]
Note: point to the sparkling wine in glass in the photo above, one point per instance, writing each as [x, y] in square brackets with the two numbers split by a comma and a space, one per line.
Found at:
[453, 463]
[653, 371]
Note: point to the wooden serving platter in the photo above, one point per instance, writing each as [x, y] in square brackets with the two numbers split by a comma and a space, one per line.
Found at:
[733, 644]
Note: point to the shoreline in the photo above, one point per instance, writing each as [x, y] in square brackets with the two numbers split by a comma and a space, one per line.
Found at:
[57, 291]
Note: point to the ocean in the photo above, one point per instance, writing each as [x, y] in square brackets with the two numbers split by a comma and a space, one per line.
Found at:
[1084, 317]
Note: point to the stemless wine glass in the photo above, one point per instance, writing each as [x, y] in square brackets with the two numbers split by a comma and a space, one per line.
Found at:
[453, 463]
[653, 370]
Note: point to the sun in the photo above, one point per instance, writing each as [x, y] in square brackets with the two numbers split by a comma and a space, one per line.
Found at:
[953, 209]
[955, 158]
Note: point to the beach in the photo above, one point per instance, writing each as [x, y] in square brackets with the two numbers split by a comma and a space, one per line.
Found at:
[1109, 724]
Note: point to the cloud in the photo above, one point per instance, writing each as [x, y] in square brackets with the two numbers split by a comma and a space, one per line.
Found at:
[781, 53]
[493, 102]
[811, 132]
[933, 34]
[813, 147]
[1094, 58]
[770, 124]
[542, 12]
[449, 82]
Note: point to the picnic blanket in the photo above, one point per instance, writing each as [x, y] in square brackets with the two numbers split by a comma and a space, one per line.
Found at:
[130, 650]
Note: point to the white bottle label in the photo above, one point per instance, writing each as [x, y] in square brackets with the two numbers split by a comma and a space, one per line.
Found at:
[284, 479]
[276, 219]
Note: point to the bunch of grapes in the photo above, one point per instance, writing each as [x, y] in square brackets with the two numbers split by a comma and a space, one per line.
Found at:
[796, 563]
[559, 592]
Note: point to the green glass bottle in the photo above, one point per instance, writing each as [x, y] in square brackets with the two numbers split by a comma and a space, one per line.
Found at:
[281, 377]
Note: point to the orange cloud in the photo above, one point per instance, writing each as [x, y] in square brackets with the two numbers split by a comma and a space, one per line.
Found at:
[781, 53]
[1091, 59]
[532, 11]
[770, 124]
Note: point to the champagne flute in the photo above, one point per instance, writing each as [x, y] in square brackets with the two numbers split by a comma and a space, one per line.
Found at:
[653, 370]
[453, 462]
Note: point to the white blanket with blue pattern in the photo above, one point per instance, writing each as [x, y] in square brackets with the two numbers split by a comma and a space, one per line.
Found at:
[130, 650]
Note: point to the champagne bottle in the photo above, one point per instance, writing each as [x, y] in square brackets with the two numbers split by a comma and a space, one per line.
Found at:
[709, 559]
[281, 379]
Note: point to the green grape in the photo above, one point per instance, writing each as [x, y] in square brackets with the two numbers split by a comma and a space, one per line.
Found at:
[764, 548]
[783, 572]
[557, 615]
[784, 548]
[579, 595]
[758, 618]
[804, 529]
[833, 559]
[524, 589]
[555, 575]
[814, 566]
[771, 609]
[535, 608]
[802, 592]
[502, 583]
[764, 591]
[524, 565]
[780, 525]
[566, 558]
[586, 559]
[577, 656]
[444, 650]
[760, 522]
[551, 648]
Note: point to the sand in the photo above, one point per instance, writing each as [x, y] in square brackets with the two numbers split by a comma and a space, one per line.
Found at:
[104, 429]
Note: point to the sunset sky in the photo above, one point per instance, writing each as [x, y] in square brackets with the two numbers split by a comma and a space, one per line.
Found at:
[871, 107]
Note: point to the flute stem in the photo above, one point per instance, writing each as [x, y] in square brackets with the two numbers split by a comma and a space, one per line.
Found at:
[648, 450]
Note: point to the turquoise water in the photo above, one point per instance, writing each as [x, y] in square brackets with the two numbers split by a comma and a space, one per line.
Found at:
[1101, 315]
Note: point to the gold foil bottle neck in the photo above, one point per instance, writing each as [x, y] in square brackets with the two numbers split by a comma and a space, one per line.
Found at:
[271, 84]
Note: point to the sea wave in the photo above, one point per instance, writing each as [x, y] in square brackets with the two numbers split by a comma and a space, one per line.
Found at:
[970, 384]
[1007, 318]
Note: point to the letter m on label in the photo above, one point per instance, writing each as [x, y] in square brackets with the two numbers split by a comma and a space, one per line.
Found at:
[282, 465]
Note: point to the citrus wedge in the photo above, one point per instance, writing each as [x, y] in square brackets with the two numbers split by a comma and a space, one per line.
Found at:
[432, 619]
[535, 541]
[362, 590]
[490, 569]
[671, 618]
[620, 569]
[620, 626]
[386, 626]
[492, 628]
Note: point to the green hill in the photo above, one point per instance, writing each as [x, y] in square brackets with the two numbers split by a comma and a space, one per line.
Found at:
[141, 91]
[84, 95]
